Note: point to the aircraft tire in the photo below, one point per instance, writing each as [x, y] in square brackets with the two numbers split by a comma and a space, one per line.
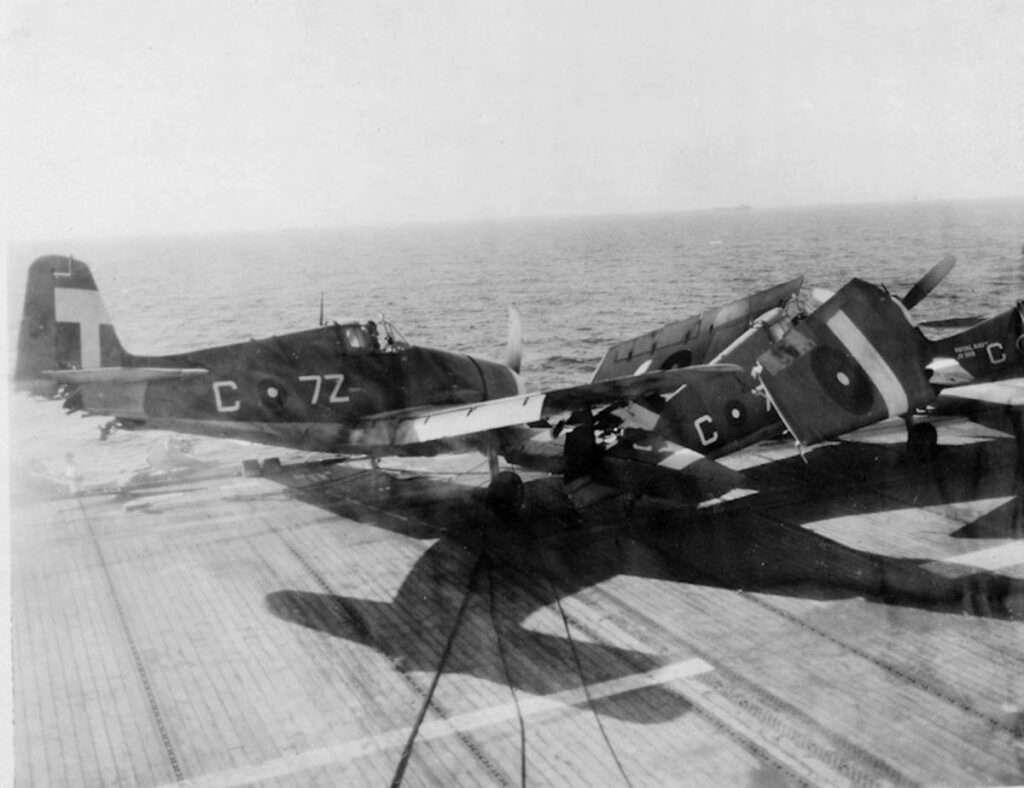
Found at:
[506, 494]
[922, 442]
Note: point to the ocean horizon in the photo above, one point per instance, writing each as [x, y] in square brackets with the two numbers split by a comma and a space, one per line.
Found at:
[581, 283]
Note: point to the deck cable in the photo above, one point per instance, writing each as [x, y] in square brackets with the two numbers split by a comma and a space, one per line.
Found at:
[508, 675]
[583, 681]
[403, 762]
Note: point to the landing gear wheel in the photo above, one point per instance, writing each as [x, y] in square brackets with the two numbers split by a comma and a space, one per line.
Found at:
[506, 494]
[384, 485]
[922, 442]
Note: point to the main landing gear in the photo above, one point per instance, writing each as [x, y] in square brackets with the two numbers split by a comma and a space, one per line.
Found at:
[506, 494]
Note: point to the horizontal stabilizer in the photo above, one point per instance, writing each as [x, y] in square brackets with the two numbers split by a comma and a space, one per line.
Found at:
[122, 374]
[1004, 393]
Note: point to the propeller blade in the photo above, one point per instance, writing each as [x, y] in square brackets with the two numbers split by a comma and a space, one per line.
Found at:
[514, 351]
[929, 281]
[952, 322]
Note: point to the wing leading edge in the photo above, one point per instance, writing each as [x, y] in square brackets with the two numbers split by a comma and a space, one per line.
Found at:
[123, 374]
[425, 426]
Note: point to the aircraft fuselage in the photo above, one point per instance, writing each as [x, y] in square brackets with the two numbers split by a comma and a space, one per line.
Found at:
[990, 350]
[304, 390]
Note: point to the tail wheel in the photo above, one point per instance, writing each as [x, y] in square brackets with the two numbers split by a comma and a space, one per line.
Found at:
[506, 494]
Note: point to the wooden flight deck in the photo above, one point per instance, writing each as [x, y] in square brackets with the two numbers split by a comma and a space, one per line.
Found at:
[858, 621]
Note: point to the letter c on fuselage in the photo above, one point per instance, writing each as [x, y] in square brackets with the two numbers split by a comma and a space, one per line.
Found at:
[996, 353]
[700, 424]
[218, 396]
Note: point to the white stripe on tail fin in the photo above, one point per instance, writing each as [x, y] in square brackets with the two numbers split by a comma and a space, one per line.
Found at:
[64, 324]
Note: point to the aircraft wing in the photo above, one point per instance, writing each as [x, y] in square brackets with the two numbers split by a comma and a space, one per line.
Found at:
[694, 340]
[633, 386]
[122, 374]
[855, 360]
[407, 428]
[1006, 393]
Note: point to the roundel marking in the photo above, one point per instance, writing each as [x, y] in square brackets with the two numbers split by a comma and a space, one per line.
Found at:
[735, 413]
[845, 382]
[272, 393]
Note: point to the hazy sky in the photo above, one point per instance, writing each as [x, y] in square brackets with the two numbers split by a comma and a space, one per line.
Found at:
[139, 117]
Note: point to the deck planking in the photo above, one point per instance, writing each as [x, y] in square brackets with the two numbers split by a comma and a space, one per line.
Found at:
[858, 621]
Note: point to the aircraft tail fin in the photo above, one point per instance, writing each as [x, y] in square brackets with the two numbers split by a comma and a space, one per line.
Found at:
[64, 324]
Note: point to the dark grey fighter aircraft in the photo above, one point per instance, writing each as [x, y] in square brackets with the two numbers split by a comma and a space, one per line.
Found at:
[347, 388]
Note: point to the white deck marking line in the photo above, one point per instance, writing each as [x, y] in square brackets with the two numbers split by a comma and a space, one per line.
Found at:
[992, 558]
[439, 728]
[878, 369]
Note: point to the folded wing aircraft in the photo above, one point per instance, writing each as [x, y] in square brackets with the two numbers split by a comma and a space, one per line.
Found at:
[855, 360]
[897, 370]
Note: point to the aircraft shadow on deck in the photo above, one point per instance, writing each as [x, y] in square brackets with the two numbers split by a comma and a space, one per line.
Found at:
[492, 561]
[749, 545]
[762, 544]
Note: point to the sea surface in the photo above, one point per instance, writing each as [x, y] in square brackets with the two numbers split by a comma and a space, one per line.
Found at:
[580, 284]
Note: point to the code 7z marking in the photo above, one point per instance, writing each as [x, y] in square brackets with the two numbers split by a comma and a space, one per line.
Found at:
[318, 386]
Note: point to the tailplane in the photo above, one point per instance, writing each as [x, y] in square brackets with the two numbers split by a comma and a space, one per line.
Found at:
[64, 325]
